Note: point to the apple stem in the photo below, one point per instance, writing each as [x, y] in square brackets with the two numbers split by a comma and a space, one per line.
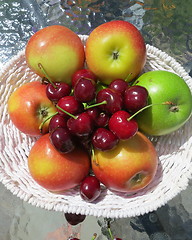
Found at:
[71, 115]
[95, 105]
[94, 236]
[148, 106]
[46, 75]
[42, 123]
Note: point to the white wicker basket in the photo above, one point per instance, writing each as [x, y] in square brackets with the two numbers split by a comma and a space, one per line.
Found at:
[174, 170]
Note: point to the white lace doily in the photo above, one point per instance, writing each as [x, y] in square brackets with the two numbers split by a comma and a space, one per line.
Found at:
[174, 150]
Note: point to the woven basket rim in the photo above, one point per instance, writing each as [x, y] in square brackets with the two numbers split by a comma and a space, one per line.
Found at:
[112, 204]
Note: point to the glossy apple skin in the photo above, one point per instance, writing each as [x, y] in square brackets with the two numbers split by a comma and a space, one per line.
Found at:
[109, 38]
[58, 49]
[115, 168]
[28, 107]
[57, 171]
[164, 86]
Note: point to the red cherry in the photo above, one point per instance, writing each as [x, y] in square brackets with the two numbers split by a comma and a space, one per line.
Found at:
[59, 90]
[93, 112]
[74, 219]
[121, 126]
[62, 140]
[82, 73]
[69, 104]
[82, 125]
[90, 189]
[135, 98]
[119, 85]
[57, 121]
[85, 90]
[103, 139]
[114, 101]
[102, 120]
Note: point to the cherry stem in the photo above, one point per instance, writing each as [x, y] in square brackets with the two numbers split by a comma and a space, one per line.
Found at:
[110, 233]
[94, 236]
[42, 123]
[71, 115]
[127, 78]
[85, 78]
[95, 105]
[148, 106]
[46, 75]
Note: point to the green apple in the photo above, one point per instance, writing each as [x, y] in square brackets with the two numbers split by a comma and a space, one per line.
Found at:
[115, 49]
[172, 101]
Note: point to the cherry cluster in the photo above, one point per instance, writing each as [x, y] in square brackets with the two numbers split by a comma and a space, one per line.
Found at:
[92, 116]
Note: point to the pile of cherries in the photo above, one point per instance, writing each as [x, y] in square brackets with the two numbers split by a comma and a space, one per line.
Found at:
[74, 219]
[94, 116]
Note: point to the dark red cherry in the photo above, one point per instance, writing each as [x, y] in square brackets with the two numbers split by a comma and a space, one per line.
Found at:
[85, 142]
[119, 85]
[102, 119]
[85, 90]
[62, 140]
[74, 219]
[57, 121]
[90, 189]
[103, 139]
[93, 112]
[114, 101]
[121, 126]
[82, 73]
[59, 90]
[135, 98]
[82, 125]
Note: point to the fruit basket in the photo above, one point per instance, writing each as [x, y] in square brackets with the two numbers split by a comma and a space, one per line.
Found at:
[175, 158]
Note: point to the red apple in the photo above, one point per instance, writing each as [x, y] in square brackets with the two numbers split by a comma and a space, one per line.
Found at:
[129, 167]
[114, 50]
[28, 107]
[59, 50]
[57, 171]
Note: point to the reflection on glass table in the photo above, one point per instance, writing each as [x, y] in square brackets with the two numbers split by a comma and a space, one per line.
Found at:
[165, 24]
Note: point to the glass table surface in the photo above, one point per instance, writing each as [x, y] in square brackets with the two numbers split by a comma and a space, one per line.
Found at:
[165, 24]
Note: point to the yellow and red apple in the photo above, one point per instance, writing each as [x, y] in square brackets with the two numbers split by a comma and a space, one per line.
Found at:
[28, 107]
[58, 49]
[129, 167]
[115, 49]
[57, 171]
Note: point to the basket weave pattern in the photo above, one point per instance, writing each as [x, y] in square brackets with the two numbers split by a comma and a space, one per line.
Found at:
[175, 158]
